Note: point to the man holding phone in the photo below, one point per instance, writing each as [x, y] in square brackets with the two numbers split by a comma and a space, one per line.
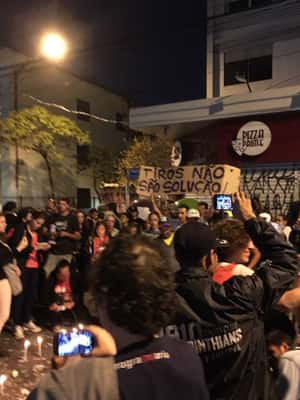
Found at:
[64, 234]
[92, 378]
[134, 289]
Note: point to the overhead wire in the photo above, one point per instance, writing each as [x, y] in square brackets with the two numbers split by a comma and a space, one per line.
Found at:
[74, 112]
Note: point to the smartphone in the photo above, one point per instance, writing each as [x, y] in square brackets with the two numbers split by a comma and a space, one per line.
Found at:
[71, 343]
[223, 202]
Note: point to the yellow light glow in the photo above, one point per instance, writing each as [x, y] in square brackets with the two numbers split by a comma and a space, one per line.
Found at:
[39, 340]
[53, 46]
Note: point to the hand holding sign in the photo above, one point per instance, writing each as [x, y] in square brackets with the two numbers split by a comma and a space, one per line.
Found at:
[200, 179]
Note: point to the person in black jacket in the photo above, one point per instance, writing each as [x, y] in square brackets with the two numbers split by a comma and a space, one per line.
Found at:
[225, 323]
[135, 293]
[6, 257]
[9, 210]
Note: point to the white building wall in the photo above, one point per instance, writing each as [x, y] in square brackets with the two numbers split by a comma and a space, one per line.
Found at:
[286, 61]
[242, 88]
[54, 85]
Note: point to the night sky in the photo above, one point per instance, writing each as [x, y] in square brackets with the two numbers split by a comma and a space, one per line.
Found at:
[150, 51]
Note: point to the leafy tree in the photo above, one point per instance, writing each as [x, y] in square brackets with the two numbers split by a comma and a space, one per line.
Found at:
[101, 164]
[145, 150]
[39, 130]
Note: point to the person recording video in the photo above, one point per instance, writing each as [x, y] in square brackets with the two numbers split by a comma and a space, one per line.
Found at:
[134, 289]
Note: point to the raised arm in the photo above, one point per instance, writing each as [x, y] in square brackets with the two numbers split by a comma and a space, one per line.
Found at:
[279, 272]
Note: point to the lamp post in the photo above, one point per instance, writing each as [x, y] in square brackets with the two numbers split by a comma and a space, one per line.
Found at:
[53, 48]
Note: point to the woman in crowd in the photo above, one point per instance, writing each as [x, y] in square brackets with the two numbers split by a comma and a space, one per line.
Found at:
[133, 228]
[99, 240]
[86, 225]
[153, 229]
[10, 212]
[124, 221]
[28, 260]
[6, 257]
[281, 220]
[64, 296]
[24, 216]
[86, 230]
[80, 215]
[110, 221]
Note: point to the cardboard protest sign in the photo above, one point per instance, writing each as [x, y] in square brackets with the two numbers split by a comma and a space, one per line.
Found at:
[198, 179]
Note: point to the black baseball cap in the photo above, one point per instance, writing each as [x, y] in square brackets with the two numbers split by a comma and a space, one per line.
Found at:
[192, 241]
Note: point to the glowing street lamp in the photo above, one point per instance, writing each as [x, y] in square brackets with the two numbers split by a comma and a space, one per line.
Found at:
[53, 46]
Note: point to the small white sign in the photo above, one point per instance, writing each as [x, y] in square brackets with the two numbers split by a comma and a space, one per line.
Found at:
[252, 139]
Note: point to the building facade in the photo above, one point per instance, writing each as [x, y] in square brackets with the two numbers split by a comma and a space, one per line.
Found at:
[250, 117]
[252, 40]
[53, 84]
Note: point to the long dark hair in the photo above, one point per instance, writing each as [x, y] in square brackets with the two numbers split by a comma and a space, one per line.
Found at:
[97, 226]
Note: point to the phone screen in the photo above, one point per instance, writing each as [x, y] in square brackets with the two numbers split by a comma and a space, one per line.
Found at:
[223, 202]
[73, 342]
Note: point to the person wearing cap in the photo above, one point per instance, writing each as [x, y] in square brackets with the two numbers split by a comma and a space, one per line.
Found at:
[193, 215]
[225, 323]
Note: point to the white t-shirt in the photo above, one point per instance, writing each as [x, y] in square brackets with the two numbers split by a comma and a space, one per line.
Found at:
[290, 368]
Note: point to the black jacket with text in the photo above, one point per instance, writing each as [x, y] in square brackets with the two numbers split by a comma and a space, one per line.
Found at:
[225, 324]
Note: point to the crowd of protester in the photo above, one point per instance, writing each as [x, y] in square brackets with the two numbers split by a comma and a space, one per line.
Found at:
[159, 279]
